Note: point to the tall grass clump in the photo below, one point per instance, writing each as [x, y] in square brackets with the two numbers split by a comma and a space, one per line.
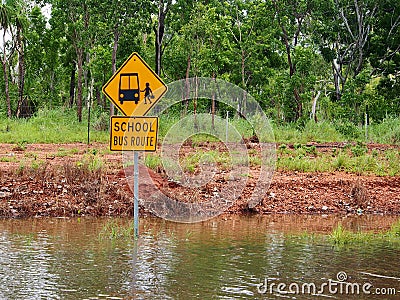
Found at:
[349, 130]
[287, 133]
[323, 131]
[394, 230]
[114, 229]
[153, 161]
[244, 128]
[91, 163]
[166, 121]
[320, 132]
[304, 164]
[386, 132]
[88, 175]
[342, 237]
[393, 162]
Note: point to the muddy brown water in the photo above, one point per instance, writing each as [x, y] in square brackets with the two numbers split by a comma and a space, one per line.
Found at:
[258, 257]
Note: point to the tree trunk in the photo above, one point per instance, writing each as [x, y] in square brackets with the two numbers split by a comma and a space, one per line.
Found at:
[299, 105]
[5, 75]
[336, 81]
[72, 85]
[114, 61]
[80, 75]
[98, 98]
[21, 70]
[52, 82]
[87, 45]
[286, 39]
[86, 74]
[314, 107]
[159, 32]
[213, 103]
[159, 37]
[196, 93]
[6, 88]
[187, 86]
[292, 71]
[241, 102]
[90, 93]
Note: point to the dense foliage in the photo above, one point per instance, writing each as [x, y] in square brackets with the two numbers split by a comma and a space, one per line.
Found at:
[320, 59]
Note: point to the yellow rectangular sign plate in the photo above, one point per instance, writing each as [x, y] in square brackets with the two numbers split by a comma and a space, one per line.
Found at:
[133, 133]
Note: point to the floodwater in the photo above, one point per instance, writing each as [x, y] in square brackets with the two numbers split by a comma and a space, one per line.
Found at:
[258, 257]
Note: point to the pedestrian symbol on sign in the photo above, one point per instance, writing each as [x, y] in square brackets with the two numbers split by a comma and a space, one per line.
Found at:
[148, 93]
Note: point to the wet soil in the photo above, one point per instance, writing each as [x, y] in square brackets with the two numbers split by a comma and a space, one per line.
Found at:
[62, 180]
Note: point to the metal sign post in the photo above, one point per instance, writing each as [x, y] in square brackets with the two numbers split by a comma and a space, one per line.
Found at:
[136, 194]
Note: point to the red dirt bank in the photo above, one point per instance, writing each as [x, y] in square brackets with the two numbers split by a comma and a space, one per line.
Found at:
[50, 184]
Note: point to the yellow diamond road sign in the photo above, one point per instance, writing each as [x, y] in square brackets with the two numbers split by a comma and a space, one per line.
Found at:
[134, 88]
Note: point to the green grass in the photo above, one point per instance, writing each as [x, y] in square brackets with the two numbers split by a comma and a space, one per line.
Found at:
[302, 159]
[31, 155]
[153, 161]
[115, 229]
[341, 236]
[192, 161]
[312, 132]
[8, 159]
[387, 132]
[60, 125]
[49, 126]
[62, 152]
[352, 160]
[91, 162]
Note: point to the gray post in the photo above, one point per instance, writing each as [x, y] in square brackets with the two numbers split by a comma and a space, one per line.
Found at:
[136, 193]
[227, 125]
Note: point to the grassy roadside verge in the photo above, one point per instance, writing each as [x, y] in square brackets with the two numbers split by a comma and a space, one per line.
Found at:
[356, 159]
[53, 126]
[60, 125]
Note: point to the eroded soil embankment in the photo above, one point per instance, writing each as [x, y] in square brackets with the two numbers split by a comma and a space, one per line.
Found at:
[65, 184]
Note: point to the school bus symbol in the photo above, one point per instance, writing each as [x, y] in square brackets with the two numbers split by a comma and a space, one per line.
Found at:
[129, 88]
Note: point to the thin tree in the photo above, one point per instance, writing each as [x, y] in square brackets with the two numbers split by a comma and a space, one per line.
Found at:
[20, 24]
[5, 16]
[159, 30]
